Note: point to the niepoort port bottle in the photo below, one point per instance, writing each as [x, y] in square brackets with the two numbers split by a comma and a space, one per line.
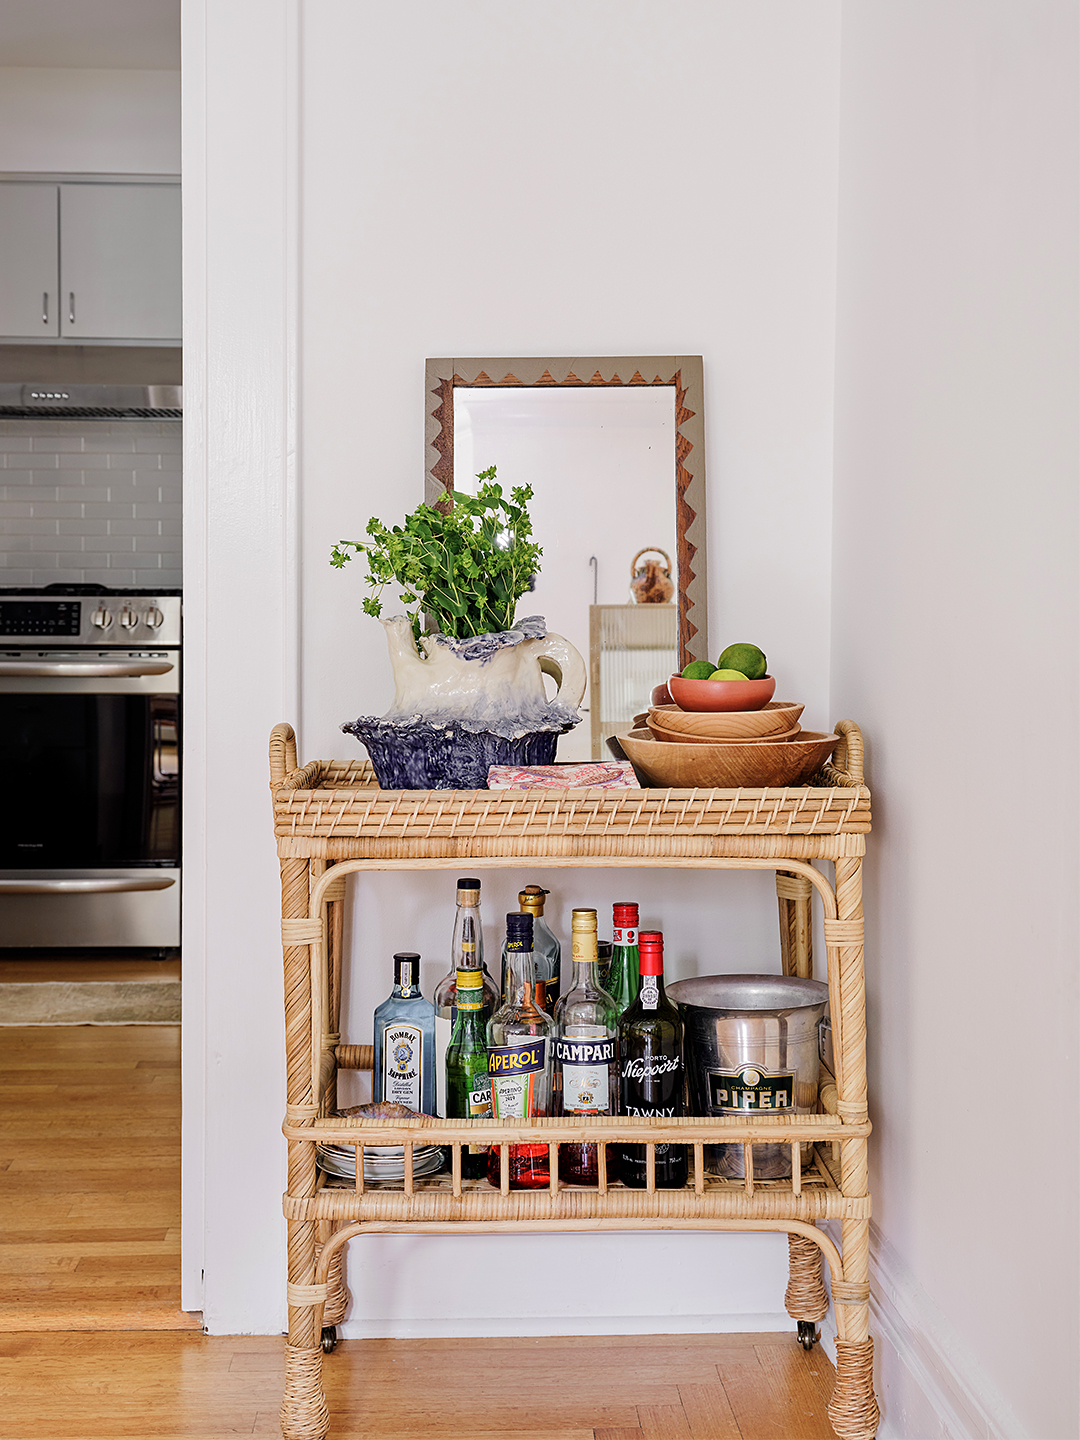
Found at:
[468, 1088]
[405, 1041]
[466, 953]
[586, 1074]
[519, 1059]
[622, 981]
[651, 1067]
[546, 949]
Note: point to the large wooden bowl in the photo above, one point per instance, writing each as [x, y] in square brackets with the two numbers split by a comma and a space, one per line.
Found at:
[721, 694]
[728, 766]
[774, 719]
[680, 737]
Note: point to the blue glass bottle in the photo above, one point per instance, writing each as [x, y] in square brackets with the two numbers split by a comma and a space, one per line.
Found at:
[405, 1041]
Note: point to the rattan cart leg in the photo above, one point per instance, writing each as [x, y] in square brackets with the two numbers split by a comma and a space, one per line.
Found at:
[304, 1415]
[337, 1292]
[853, 1411]
[805, 1298]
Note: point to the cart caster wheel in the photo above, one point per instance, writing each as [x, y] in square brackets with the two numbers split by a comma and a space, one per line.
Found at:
[329, 1339]
[808, 1334]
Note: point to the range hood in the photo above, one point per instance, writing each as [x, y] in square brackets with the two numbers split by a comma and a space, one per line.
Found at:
[91, 402]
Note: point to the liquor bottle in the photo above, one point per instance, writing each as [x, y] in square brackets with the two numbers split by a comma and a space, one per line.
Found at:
[651, 1067]
[405, 1041]
[587, 1077]
[603, 955]
[468, 1088]
[466, 953]
[519, 1037]
[546, 948]
[622, 982]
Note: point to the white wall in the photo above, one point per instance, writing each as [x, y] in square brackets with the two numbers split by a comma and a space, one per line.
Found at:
[955, 646]
[636, 182]
[124, 122]
[600, 179]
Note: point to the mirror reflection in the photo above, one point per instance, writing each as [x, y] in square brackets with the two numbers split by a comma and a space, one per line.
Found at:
[601, 464]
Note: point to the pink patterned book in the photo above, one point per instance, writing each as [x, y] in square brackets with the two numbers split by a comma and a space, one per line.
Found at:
[596, 775]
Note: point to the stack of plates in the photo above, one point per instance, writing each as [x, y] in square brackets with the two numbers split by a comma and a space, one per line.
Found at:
[381, 1162]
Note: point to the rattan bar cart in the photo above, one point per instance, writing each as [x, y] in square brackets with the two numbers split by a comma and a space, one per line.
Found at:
[330, 818]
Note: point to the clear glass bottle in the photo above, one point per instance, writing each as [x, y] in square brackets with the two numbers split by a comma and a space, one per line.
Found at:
[519, 1037]
[405, 1041]
[466, 953]
[603, 955]
[622, 980]
[651, 1078]
[546, 949]
[468, 1087]
[586, 1074]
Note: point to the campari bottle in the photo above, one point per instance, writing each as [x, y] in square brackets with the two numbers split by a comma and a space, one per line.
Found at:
[546, 950]
[651, 1068]
[405, 1041]
[622, 981]
[586, 1075]
[519, 1037]
[468, 1088]
[466, 953]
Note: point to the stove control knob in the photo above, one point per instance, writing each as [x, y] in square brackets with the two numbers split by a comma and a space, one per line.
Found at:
[101, 618]
[128, 618]
[154, 618]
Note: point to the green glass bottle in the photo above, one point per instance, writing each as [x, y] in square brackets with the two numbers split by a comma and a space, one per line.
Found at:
[468, 1088]
[622, 977]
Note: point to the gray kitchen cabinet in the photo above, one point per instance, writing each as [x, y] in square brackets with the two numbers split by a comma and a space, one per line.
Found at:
[29, 262]
[90, 261]
[120, 262]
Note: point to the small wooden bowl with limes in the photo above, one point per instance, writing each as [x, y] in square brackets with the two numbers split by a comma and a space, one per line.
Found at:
[738, 681]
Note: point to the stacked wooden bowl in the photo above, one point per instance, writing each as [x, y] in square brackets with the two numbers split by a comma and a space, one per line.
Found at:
[727, 748]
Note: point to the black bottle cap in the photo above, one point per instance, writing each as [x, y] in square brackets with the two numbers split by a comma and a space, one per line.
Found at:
[468, 884]
[407, 958]
[519, 931]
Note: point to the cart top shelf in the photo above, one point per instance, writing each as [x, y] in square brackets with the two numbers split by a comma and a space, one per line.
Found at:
[336, 810]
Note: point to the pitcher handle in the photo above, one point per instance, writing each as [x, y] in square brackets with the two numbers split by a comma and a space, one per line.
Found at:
[563, 662]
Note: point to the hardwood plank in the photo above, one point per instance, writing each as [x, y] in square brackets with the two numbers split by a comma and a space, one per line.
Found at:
[663, 1422]
[772, 1397]
[709, 1412]
[618, 1434]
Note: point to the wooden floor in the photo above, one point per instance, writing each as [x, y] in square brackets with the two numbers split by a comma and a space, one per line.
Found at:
[96, 1348]
[91, 1228]
[179, 1387]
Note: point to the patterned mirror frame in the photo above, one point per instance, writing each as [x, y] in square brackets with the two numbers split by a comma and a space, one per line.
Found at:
[684, 372]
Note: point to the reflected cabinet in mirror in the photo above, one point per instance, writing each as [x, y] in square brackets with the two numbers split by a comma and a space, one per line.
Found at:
[614, 449]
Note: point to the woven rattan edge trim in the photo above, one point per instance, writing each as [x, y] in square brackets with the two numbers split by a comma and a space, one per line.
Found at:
[426, 1210]
[405, 854]
[767, 1130]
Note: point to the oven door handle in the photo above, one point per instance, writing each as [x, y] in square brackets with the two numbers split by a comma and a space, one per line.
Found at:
[89, 668]
[109, 886]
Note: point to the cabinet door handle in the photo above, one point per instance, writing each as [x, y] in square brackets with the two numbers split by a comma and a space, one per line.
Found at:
[71, 306]
[45, 307]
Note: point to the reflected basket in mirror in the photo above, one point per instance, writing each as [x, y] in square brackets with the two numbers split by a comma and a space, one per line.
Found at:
[651, 582]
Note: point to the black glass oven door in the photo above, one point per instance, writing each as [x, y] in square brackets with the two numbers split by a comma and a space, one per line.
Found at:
[90, 780]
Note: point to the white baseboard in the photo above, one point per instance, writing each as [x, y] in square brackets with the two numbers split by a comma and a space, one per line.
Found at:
[928, 1384]
[459, 1327]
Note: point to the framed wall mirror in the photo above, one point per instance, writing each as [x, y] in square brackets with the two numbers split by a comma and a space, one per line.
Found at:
[614, 449]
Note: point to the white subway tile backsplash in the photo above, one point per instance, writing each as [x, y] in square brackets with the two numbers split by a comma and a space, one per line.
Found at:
[92, 502]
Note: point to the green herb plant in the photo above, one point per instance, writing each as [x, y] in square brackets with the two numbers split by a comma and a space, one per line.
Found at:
[466, 569]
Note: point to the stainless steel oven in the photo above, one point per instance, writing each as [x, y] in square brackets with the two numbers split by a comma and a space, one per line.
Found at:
[90, 751]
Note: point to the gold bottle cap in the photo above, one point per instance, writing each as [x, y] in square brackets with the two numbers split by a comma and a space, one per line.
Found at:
[531, 900]
[583, 920]
[583, 936]
[470, 980]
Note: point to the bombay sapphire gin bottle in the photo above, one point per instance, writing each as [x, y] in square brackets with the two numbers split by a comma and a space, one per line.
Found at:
[405, 1041]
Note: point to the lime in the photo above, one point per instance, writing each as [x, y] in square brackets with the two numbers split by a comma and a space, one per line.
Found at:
[698, 670]
[746, 658]
[729, 674]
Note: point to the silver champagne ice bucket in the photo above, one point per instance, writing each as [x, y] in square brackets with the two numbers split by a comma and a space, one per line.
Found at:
[751, 1049]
